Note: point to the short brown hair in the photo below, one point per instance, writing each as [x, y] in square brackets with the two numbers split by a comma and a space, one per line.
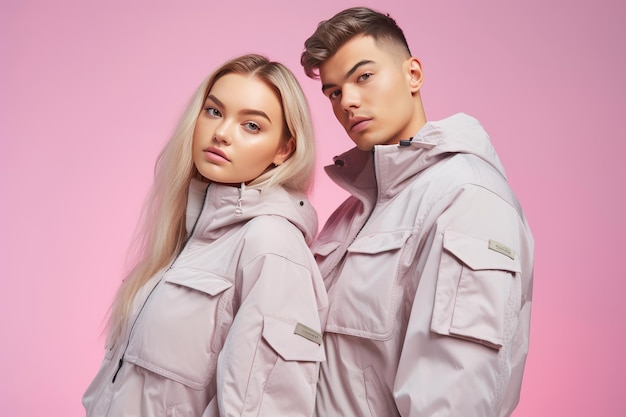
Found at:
[331, 34]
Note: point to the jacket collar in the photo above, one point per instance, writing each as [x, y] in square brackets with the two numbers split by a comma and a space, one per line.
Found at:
[383, 172]
[224, 207]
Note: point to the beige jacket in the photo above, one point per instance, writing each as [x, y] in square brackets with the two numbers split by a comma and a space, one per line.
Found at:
[232, 327]
[428, 267]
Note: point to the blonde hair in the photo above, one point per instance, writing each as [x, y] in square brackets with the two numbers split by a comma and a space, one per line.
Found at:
[162, 231]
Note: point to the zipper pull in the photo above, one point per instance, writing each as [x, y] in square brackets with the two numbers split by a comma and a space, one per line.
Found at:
[238, 209]
[119, 366]
[406, 142]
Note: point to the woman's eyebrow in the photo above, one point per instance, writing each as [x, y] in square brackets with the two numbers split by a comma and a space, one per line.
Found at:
[242, 111]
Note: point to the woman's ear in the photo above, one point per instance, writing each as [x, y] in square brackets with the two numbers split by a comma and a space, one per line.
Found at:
[285, 151]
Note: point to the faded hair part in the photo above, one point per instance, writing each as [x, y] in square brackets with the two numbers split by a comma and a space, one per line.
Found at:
[333, 33]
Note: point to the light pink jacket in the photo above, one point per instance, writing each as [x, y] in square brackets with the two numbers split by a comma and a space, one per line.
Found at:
[428, 267]
[232, 327]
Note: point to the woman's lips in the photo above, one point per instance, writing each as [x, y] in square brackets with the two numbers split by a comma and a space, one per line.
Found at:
[216, 155]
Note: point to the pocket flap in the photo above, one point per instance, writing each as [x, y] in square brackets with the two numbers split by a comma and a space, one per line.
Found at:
[477, 253]
[326, 248]
[379, 242]
[290, 345]
[198, 279]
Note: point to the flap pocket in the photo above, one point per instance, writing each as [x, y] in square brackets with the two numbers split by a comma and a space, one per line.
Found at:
[367, 297]
[182, 326]
[291, 343]
[198, 279]
[197, 379]
[478, 294]
[481, 254]
[379, 242]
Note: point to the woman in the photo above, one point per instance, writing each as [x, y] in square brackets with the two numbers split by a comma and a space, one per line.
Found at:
[222, 314]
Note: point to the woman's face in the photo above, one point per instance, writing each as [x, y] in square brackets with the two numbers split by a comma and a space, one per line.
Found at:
[239, 131]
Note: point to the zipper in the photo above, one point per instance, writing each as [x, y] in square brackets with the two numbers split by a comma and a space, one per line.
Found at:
[119, 366]
[239, 209]
[193, 229]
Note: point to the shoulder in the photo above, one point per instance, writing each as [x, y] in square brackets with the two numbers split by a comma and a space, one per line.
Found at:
[270, 224]
[465, 168]
[272, 234]
[463, 172]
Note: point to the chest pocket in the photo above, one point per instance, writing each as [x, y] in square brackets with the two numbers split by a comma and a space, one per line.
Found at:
[183, 326]
[364, 301]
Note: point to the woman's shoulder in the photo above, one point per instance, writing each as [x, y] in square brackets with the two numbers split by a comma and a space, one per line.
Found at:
[270, 226]
[273, 234]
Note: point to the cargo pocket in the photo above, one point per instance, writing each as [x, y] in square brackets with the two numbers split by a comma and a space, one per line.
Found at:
[478, 290]
[365, 299]
[287, 366]
[182, 327]
[293, 341]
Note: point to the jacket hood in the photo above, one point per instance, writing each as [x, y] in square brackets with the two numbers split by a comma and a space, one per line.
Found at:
[395, 164]
[226, 207]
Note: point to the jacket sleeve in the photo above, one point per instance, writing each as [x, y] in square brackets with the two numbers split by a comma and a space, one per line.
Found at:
[269, 363]
[467, 335]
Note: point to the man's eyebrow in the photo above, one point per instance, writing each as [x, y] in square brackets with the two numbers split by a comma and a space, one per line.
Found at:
[349, 73]
[242, 111]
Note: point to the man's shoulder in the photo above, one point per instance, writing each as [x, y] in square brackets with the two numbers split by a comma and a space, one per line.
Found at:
[460, 169]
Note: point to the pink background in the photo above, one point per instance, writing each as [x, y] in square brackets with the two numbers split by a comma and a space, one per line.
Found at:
[89, 93]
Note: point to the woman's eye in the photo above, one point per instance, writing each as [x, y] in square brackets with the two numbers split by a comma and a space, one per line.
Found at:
[365, 77]
[251, 126]
[334, 94]
[212, 111]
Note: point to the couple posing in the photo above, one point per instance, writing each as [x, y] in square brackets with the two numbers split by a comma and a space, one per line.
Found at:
[416, 299]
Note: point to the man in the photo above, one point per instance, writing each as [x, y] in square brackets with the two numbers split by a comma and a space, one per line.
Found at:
[428, 264]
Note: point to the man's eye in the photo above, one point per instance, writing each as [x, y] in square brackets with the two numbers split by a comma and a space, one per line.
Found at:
[334, 94]
[365, 76]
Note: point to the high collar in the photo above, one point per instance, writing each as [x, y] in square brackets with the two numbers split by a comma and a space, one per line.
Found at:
[223, 207]
[384, 171]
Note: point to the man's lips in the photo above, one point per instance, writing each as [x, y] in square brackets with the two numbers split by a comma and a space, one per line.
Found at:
[215, 154]
[357, 124]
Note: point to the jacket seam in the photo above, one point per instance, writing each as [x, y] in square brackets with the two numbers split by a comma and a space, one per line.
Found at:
[260, 255]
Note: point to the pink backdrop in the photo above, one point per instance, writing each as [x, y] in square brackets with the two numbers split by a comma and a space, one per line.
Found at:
[89, 93]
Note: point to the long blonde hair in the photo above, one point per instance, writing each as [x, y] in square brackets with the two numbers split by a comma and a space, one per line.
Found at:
[162, 231]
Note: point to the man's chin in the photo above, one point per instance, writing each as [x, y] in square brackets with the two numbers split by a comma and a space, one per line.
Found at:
[365, 147]
[362, 144]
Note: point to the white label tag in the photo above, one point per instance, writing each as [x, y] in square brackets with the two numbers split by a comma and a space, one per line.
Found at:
[308, 333]
[501, 248]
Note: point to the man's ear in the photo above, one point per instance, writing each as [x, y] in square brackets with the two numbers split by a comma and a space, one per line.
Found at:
[415, 74]
[285, 151]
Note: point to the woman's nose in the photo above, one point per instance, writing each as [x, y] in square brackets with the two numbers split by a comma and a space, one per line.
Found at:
[222, 133]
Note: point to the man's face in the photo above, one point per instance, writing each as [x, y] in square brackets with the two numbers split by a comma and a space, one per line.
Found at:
[371, 88]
